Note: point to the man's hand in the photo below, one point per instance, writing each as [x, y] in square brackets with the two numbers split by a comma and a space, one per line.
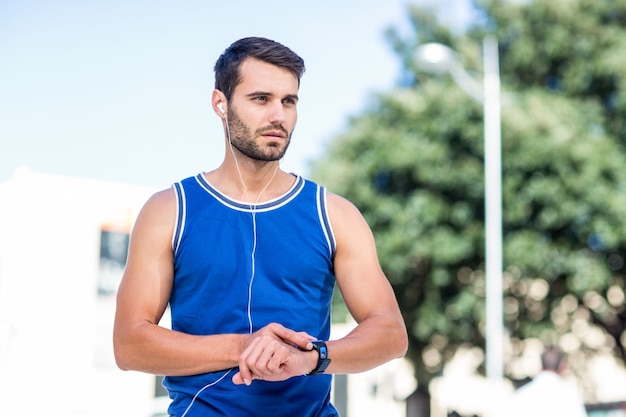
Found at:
[275, 353]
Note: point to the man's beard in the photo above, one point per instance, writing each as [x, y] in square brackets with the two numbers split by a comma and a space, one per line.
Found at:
[243, 140]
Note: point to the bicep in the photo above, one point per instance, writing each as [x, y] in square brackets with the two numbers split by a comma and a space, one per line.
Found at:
[360, 278]
[146, 285]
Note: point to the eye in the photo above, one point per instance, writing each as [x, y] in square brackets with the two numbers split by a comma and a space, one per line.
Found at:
[290, 100]
[260, 98]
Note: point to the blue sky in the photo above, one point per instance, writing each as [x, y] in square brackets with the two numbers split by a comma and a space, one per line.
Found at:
[120, 90]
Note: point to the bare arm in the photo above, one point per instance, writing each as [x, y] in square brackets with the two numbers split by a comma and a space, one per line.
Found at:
[139, 342]
[380, 334]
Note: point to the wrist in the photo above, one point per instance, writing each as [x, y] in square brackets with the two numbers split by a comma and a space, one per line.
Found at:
[241, 342]
[311, 361]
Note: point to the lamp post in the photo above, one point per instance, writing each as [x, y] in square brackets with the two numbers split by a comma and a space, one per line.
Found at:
[434, 57]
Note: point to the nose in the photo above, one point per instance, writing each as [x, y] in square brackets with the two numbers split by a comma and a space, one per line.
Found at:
[277, 113]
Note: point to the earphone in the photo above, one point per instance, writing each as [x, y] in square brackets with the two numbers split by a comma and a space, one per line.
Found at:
[221, 107]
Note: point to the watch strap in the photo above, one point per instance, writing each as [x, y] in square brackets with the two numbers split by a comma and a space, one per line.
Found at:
[323, 360]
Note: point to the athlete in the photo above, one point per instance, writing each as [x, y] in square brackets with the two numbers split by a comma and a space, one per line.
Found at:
[247, 256]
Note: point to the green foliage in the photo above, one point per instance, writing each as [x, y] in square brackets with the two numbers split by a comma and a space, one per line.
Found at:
[413, 164]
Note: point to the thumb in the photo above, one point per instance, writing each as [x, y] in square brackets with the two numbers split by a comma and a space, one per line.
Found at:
[238, 379]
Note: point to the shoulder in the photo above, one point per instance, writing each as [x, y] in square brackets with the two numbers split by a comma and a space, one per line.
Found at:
[349, 225]
[341, 207]
[159, 209]
[161, 200]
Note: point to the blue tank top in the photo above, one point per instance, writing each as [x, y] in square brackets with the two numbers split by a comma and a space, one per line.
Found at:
[237, 269]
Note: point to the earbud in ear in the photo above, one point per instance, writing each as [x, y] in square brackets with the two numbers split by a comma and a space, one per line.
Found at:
[221, 107]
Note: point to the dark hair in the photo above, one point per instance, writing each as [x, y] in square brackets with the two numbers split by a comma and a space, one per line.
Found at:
[551, 359]
[227, 74]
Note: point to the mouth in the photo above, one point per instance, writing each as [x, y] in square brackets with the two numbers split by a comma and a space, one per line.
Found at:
[274, 134]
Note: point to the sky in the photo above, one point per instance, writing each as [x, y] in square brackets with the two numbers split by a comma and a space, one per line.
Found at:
[120, 90]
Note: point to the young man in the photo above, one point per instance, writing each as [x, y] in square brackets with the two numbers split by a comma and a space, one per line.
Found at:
[247, 256]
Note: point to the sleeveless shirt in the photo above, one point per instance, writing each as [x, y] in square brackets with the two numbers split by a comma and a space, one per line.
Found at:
[239, 267]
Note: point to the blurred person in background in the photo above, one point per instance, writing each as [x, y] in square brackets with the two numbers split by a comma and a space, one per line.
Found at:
[547, 394]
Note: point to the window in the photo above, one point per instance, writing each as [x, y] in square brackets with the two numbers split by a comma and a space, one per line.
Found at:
[113, 256]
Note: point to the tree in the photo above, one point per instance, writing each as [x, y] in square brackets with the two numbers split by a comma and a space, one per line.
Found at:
[413, 163]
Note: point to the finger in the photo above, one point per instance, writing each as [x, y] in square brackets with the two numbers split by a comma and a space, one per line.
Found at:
[245, 370]
[308, 336]
[277, 362]
[268, 358]
[262, 358]
[299, 339]
[237, 379]
[303, 341]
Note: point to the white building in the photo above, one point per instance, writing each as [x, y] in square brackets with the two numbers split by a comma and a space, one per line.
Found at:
[55, 343]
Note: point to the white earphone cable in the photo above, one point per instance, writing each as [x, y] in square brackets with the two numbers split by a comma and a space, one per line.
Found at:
[253, 209]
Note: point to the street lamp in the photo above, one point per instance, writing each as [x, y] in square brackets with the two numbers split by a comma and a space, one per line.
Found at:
[435, 57]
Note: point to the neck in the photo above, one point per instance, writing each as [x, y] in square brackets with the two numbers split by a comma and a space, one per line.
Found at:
[250, 183]
[260, 193]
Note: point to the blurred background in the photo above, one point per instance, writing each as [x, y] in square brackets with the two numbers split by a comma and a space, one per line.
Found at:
[520, 104]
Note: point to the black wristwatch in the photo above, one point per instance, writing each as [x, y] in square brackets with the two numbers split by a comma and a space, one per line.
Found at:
[323, 360]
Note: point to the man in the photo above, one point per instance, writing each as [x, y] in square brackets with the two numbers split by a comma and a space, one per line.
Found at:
[547, 394]
[247, 256]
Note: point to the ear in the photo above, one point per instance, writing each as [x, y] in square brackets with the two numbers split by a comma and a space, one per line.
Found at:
[218, 100]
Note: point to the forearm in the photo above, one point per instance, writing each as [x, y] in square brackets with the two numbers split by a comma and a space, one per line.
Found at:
[373, 342]
[153, 349]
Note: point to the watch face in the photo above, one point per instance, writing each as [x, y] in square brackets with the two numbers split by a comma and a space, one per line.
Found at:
[323, 351]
